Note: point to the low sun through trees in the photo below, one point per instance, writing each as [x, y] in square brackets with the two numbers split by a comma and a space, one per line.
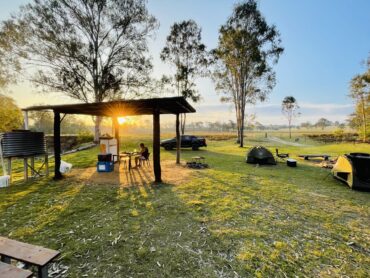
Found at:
[91, 51]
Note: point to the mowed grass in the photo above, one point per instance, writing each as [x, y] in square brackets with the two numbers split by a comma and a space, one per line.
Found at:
[231, 220]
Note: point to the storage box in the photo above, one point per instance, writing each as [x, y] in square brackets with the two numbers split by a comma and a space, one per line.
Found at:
[291, 162]
[105, 166]
[105, 157]
[4, 181]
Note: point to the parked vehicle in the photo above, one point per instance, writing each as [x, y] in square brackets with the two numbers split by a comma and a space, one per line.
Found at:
[187, 141]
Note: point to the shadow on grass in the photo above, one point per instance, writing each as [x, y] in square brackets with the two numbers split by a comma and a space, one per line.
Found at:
[116, 231]
[256, 221]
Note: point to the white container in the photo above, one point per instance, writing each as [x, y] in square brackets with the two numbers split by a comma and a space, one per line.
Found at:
[4, 181]
[110, 147]
[65, 167]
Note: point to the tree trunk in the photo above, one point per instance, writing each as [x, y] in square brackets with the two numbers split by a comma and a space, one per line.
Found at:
[97, 121]
[178, 139]
[156, 146]
[183, 122]
[364, 120]
[57, 147]
[242, 129]
[290, 131]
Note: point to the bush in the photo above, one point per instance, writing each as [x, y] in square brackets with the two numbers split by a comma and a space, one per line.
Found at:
[85, 137]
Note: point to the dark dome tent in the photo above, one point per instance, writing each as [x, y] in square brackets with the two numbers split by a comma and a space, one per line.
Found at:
[354, 170]
[260, 155]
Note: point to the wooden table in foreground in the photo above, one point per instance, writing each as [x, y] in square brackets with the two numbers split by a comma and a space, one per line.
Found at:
[28, 254]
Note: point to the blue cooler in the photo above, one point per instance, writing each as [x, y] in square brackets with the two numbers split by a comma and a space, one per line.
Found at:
[105, 166]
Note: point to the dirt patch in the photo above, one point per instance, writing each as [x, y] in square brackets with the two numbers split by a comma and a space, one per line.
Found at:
[141, 176]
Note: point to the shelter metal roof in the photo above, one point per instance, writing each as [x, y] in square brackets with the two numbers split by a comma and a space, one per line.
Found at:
[169, 105]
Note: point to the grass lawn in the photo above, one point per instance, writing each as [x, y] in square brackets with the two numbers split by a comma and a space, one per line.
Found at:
[232, 220]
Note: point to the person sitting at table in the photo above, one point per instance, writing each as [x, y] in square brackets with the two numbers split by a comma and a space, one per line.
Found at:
[144, 155]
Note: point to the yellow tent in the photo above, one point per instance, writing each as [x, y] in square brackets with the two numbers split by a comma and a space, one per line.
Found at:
[353, 169]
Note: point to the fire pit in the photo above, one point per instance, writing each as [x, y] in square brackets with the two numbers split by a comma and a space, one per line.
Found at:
[197, 162]
[196, 165]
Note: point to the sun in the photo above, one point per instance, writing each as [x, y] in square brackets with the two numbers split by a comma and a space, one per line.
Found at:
[121, 120]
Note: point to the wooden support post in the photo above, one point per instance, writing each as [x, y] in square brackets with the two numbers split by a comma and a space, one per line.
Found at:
[156, 146]
[47, 165]
[5, 259]
[32, 166]
[25, 166]
[178, 139]
[10, 168]
[43, 271]
[57, 149]
[116, 134]
[25, 114]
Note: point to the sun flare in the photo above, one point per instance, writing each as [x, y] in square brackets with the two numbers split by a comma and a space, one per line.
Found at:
[121, 120]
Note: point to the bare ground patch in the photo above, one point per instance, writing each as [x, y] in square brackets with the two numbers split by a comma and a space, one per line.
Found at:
[141, 176]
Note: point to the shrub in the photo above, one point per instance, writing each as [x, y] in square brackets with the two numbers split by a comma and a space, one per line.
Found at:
[84, 137]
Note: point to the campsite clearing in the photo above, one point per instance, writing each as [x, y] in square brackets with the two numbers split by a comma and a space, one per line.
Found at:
[231, 218]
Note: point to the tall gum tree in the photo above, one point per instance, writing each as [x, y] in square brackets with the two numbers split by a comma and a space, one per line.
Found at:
[186, 52]
[247, 48]
[289, 108]
[360, 93]
[89, 50]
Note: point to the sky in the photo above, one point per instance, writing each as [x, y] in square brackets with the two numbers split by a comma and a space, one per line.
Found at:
[326, 43]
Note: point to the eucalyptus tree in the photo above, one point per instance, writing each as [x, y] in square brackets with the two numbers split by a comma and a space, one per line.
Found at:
[360, 92]
[9, 64]
[89, 50]
[186, 52]
[247, 48]
[289, 107]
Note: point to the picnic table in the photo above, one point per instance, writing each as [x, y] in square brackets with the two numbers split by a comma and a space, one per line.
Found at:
[31, 255]
[129, 155]
[308, 156]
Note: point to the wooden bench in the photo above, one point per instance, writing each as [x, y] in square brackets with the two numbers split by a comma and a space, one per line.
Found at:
[10, 271]
[308, 156]
[28, 254]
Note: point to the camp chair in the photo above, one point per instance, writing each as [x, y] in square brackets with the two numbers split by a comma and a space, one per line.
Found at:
[281, 155]
[146, 160]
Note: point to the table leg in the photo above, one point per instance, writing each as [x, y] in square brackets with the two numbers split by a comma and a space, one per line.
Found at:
[43, 271]
[5, 259]
[129, 163]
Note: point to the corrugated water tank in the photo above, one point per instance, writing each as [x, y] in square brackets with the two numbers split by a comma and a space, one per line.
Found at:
[21, 143]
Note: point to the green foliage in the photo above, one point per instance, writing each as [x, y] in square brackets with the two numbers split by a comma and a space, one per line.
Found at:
[323, 123]
[9, 62]
[360, 93]
[44, 121]
[185, 50]
[289, 107]
[84, 137]
[87, 50]
[10, 114]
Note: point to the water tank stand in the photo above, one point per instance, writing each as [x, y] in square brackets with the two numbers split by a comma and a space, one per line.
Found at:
[35, 172]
